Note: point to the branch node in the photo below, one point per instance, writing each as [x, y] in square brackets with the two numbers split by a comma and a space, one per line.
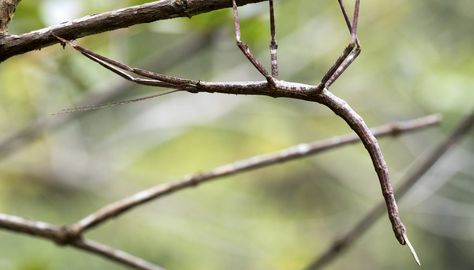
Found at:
[66, 235]
[63, 42]
[396, 129]
[195, 180]
[182, 6]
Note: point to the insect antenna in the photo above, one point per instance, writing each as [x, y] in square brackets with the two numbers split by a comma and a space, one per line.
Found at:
[95, 107]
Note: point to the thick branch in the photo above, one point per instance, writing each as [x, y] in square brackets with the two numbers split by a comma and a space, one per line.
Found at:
[292, 153]
[12, 45]
[7, 8]
[346, 240]
[59, 235]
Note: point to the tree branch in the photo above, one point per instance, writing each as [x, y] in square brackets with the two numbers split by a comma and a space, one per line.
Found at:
[59, 236]
[296, 152]
[116, 255]
[72, 234]
[25, 226]
[7, 9]
[273, 88]
[345, 241]
[341, 108]
[12, 45]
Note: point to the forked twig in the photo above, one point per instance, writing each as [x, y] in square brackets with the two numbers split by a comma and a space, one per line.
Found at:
[292, 153]
[245, 48]
[57, 234]
[317, 93]
[343, 242]
[72, 234]
[350, 53]
[277, 88]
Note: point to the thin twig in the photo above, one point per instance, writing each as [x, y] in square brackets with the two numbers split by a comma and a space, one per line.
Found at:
[12, 45]
[346, 17]
[116, 255]
[292, 153]
[60, 236]
[31, 227]
[273, 42]
[245, 48]
[341, 108]
[72, 235]
[350, 53]
[345, 241]
[275, 88]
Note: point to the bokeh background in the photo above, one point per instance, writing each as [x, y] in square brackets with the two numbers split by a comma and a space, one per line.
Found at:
[417, 59]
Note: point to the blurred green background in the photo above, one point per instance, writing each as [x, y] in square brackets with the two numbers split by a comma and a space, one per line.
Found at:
[417, 59]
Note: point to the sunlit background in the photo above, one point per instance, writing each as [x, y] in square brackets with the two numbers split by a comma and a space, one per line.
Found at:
[417, 59]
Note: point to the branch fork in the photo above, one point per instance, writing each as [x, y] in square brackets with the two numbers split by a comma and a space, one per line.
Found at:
[73, 234]
[272, 86]
[278, 88]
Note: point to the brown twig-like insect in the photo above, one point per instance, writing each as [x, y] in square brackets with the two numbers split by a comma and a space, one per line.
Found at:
[276, 88]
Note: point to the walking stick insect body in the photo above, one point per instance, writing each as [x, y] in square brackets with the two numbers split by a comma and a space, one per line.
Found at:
[276, 88]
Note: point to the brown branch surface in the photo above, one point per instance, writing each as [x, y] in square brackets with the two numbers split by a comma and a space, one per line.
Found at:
[115, 255]
[296, 152]
[12, 45]
[345, 241]
[273, 88]
[7, 9]
[341, 108]
[59, 235]
[72, 235]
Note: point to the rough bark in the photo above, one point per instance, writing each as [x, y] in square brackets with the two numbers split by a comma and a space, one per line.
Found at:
[11, 45]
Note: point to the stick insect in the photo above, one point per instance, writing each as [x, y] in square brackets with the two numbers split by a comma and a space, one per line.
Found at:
[280, 88]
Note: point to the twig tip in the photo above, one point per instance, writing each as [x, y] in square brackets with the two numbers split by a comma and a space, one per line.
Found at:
[412, 249]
